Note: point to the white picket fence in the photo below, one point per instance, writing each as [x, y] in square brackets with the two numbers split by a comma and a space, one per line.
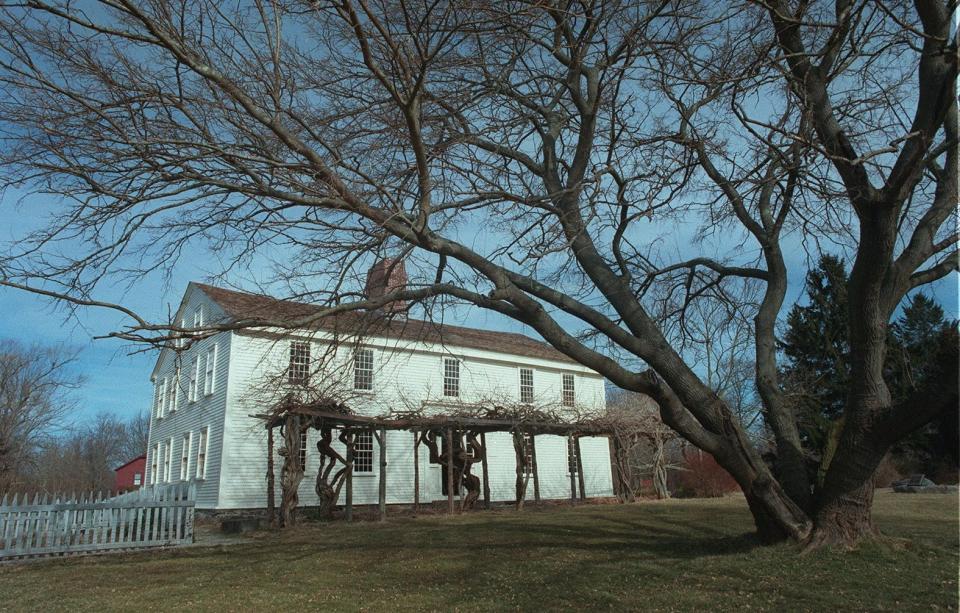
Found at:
[153, 516]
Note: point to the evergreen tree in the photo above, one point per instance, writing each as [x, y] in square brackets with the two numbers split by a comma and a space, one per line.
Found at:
[818, 353]
[816, 369]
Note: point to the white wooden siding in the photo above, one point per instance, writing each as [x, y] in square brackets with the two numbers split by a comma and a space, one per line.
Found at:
[190, 417]
[406, 376]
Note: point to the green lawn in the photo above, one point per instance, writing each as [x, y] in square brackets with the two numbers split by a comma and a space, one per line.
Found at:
[674, 555]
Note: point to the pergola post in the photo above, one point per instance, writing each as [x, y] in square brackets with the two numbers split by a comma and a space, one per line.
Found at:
[383, 473]
[348, 509]
[533, 467]
[449, 438]
[483, 466]
[271, 480]
[416, 473]
[583, 490]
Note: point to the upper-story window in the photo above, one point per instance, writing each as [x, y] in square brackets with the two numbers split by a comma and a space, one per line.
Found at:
[569, 391]
[198, 316]
[451, 377]
[363, 369]
[194, 374]
[171, 395]
[176, 388]
[178, 342]
[526, 385]
[299, 371]
[161, 396]
[363, 452]
[208, 375]
[202, 453]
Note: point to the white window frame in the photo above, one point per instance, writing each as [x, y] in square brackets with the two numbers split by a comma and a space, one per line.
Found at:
[210, 370]
[572, 468]
[523, 386]
[363, 365]
[138, 479]
[198, 316]
[363, 445]
[186, 442]
[449, 378]
[154, 464]
[178, 342]
[303, 450]
[176, 389]
[194, 376]
[298, 370]
[568, 395]
[171, 389]
[167, 460]
[528, 453]
[161, 397]
[203, 445]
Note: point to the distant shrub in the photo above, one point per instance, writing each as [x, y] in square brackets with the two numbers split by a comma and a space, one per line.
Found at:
[703, 477]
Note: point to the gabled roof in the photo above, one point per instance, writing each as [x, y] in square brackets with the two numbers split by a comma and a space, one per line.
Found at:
[241, 305]
[124, 465]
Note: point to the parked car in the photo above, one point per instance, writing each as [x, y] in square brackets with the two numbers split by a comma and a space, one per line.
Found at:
[919, 484]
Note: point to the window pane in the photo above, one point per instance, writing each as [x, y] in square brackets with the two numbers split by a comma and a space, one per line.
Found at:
[208, 374]
[303, 451]
[451, 377]
[528, 454]
[363, 452]
[571, 455]
[363, 369]
[569, 393]
[526, 385]
[299, 371]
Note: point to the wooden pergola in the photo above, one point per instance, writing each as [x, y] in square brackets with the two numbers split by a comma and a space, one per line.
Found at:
[295, 418]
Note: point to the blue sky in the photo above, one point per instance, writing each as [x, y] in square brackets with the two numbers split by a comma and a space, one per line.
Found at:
[117, 373]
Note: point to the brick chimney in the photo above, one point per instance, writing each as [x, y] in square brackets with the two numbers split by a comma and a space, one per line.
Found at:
[387, 275]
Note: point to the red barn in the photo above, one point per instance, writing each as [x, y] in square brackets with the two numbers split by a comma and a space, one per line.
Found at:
[130, 476]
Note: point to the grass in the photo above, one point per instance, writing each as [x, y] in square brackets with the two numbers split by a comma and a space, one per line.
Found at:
[671, 556]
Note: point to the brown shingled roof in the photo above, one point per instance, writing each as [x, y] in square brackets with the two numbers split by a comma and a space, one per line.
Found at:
[241, 305]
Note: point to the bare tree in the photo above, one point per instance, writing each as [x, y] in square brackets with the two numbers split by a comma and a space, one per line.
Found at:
[36, 385]
[519, 156]
[641, 444]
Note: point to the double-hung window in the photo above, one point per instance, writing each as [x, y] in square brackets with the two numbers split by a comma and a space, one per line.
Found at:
[167, 452]
[527, 454]
[198, 316]
[526, 385]
[161, 396]
[171, 394]
[176, 389]
[572, 455]
[185, 455]
[211, 361]
[363, 452]
[303, 451]
[194, 374]
[154, 463]
[202, 453]
[569, 392]
[363, 370]
[298, 372]
[451, 377]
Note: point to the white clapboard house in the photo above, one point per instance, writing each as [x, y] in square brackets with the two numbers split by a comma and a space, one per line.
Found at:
[203, 427]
